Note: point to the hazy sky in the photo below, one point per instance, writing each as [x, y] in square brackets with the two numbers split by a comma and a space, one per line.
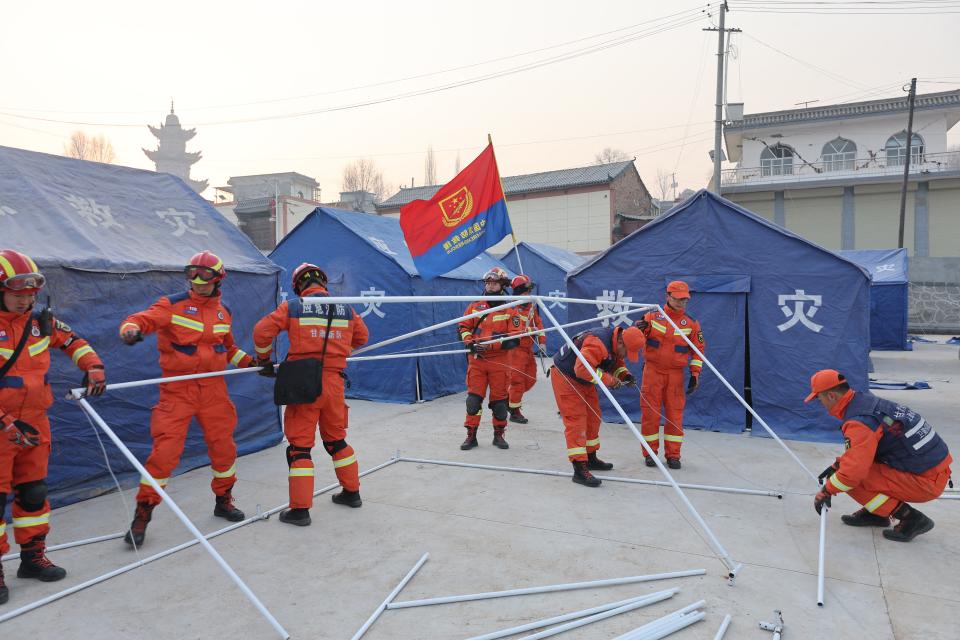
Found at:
[115, 65]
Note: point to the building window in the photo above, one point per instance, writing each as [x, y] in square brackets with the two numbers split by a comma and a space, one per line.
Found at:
[776, 160]
[839, 155]
[896, 149]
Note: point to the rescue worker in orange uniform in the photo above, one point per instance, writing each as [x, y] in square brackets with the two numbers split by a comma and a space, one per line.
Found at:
[893, 456]
[523, 374]
[488, 365]
[194, 335]
[577, 396]
[310, 337]
[666, 356]
[25, 397]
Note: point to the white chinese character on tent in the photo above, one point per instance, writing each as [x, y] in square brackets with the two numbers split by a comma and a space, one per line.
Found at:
[181, 222]
[613, 302]
[556, 293]
[96, 215]
[371, 306]
[885, 267]
[797, 313]
[383, 246]
[7, 211]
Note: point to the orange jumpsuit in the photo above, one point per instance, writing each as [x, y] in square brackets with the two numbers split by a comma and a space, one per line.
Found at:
[665, 357]
[878, 487]
[490, 368]
[25, 394]
[306, 325]
[193, 336]
[577, 396]
[523, 374]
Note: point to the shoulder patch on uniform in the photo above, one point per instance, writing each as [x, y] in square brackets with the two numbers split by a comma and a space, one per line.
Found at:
[516, 321]
[63, 326]
[846, 443]
[700, 336]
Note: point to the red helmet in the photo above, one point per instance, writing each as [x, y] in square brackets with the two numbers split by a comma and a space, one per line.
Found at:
[204, 268]
[19, 273]
[304, 274]
[497, 274]
[521, 284]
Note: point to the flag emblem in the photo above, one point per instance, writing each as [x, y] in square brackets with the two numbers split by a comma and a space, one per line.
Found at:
[457, 206]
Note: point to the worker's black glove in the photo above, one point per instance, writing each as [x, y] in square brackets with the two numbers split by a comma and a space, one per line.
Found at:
[641, 324]
[629, 380]
[829, 471]
[131, 336]
[692, 384]
[822, 498]
[506, 345]
[267, 369]
[19, 432]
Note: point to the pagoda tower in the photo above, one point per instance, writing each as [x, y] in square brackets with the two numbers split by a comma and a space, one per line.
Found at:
[171, 155]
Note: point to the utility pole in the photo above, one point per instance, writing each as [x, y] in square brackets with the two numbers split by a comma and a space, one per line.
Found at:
[906, 163]
[718, 117]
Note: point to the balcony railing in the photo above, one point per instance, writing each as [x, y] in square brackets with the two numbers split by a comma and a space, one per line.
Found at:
[799, 171]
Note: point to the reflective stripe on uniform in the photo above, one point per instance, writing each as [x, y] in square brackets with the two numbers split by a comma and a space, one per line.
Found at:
[916, 428]
[322, 322]
[839, 485]
[687, 331]
[346, 462]
[221, 328]
[3, 528]
[593, 443]
[301, 472]
[876, 502]
[237, 357]
[927, 438]
[464, 334]
[266, 349]
[82, 351]
[599, 376]
[39, 347]
[574, 451]
[659, 327]
[515, 405]
[652, 438]
[500, 316]
[160, 481]
[696, 363]
[229, 473]
[187, 323]
[6, 353]
[132, 325]
[669, 438]
[616, 373]
[32, 521]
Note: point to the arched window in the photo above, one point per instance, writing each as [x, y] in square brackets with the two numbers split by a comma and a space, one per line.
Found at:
[839, 155]
[776, 160]
[896, 149]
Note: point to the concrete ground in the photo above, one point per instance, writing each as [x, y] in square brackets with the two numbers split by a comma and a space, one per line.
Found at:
[491, 530]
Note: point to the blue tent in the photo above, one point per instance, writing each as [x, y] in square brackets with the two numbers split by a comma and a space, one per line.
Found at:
[366, 255]
[889, 296]
[774, 309]
[110, 241]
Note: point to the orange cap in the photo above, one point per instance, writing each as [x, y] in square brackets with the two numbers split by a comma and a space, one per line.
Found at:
[824, 380]
[678, 289]
[634, 341]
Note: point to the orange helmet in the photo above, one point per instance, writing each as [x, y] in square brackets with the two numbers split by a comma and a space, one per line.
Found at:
[305, 274]
[521, 284]
[19, 273]
[497, 274]
[204, 268]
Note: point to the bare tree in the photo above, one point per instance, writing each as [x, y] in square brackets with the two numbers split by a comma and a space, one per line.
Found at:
[363, 175]
[664, 183]
[430, 167]
[83, 147]
[609, 155]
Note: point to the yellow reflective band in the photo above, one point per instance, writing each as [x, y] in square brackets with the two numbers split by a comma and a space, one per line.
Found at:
[599, 376]
[6, 353]
[3, 528]
[672, 438]
[617, 372]
[301, 472]
[659, 327]
[160, 481]
[322, 322]
[515, 405]
[652, 438]
[500, 316]
[266, 349]
[464, 334]
[686, 331]
[187, 323]
[20, 523]
[82, 351]
[237, 357]
[39, 347]
[876, 503]
[593, 443]
[124, 326]
[229, 473]
[839, 485]
[221, 328]
[696, 363]
[346, 462]
[7, 267]
[576, 451]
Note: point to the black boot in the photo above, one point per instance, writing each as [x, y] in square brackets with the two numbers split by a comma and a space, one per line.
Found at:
[649, 461]
[912, 523]
[471, 440]
[516, 416]
[498, 440]
[226, 509]
[596, 464]
[863, 518]
[299, 517]
[348, 498]
[35, 564]
[4, 592]
[673, 463]
[582, 475]
[138, 528]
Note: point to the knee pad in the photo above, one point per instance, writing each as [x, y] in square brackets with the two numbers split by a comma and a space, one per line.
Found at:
[474, 404]
[32, 495]
[334, 446]
[297, 453]
[3, 504]
[500, 409]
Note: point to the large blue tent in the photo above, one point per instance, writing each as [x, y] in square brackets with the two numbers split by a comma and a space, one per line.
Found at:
[366, 255]
[774, 308]
[548, 267]
[889, 296]
[110, 241]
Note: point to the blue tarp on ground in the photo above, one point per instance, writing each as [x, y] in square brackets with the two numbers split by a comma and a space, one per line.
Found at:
[548, 268]
[889, 296]
[365, 255]
[799, 307]
[110, 241]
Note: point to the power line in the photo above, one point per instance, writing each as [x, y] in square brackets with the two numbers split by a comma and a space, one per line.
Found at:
[829, 74]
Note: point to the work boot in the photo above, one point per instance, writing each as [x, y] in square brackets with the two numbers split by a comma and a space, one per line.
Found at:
[516, 416]
[226, 509]
[649, 461]
[582, 475]
[138, 528]
[471, 440]
[596, 464]
[348, 498]
[4, 592]
[863, 518]
[673, 463]
[912, 523]
[299, 517]
[498, 440]
[35, 564]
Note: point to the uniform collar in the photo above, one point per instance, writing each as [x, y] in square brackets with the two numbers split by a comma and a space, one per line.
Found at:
[10, 316]
[203, 300]
[314, 290]
[676, 315]
[841, 406]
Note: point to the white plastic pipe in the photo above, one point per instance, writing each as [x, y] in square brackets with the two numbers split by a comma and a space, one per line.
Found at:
[410, 354]
[393, 594]
[69, 545]
[949, 498]
[723, 627]
[588, 620]
[718, 548]
[406, 299]
[595, 319]
[547, 589]
[77, 393]
[651, 598]
[651, 628]
[681, 622]
[820, 561]
[567, 474]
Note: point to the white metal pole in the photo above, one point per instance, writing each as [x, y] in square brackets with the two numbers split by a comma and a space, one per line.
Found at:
[69, 545]
[406, 299]
[185, 520]
[723, 627]
[670, 618]
[948, 498]
[77, 393]
[588, 620]
[546, 330]
[412, 354]
[680, 622]
[393, 594]
[547, 589]
[718, 548]
[823, 544]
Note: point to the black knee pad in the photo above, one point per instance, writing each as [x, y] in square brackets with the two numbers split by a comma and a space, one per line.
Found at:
[3, 504]
[474, 404]
[31, 495]
[500, 409]
[333, 446]
[297, 453]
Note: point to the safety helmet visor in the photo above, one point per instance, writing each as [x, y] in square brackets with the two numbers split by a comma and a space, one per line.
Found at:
[200, 275]
[24, 282]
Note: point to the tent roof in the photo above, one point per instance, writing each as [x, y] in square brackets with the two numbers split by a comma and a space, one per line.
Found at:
[565, 260]
[100, 217]
[887, 266]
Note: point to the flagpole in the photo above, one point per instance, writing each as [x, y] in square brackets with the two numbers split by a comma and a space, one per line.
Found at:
[513, 235]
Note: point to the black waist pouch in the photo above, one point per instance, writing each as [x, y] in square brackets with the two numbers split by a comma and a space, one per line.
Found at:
[298, 381]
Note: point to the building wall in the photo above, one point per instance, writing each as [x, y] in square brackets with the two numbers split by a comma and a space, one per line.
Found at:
[943, 203]
[760, 203]
[877, 214]
[814, 214]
